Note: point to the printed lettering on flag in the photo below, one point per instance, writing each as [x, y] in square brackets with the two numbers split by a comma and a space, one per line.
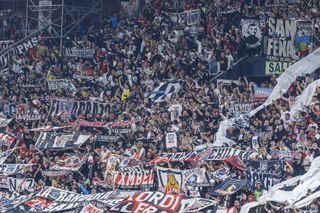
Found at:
[136, 178]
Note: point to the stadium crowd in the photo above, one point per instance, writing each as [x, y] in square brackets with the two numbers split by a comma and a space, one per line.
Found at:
[133, 55]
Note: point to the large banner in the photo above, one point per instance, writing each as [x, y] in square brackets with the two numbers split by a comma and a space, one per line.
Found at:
[191, 179]
[170, 180]
[267, 173]
[10, 169]
[67, 200]
[81, 122]
[228, 187]
[225, 152]
[23, 112]
[136, 178]
[61, 84]
[70, 107]
[178, 156]
[237, 109]
[165, 90]
[79, 53]
[107, 138]
[48, 140]
[161, 202]
[20, 47]
[190, 17]
[281, 51]
[16, 184]
[251, 32]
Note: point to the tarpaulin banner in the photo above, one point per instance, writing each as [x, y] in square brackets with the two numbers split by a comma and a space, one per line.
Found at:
[20, 47]
[23, 112]
[170, 180]
[10, 169]
[266, 172]
[191, 179]
[69, 162]
[36, 204]
[251, 32]
[67, 200]
[161, 202]
[165, 90]
[107, 138]
[48, 140]
[261, 94]
[225, 152]
[284, 154]
[276, 166]
[71, 107]
[266, 179]
[121, 126]
[228, 187]
[190, 17]
[54, 173]
[179, 156]
[18, 184]
[79, 53]
[60, 195]
[135, 177]
[237, 109]
[82, 122]
[26, 85]
[58, 84]
[47, 128]
[83, 77]
[281, 49]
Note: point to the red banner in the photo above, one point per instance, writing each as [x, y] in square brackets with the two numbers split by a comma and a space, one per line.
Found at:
[179, 156]
[81, 122]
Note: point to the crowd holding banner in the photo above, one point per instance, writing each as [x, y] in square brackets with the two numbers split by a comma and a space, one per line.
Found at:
[79, 53]
[130, 119]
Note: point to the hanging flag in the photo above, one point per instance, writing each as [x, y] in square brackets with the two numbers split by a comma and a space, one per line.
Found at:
[236, 162]
[228, 187]
[251, 32]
